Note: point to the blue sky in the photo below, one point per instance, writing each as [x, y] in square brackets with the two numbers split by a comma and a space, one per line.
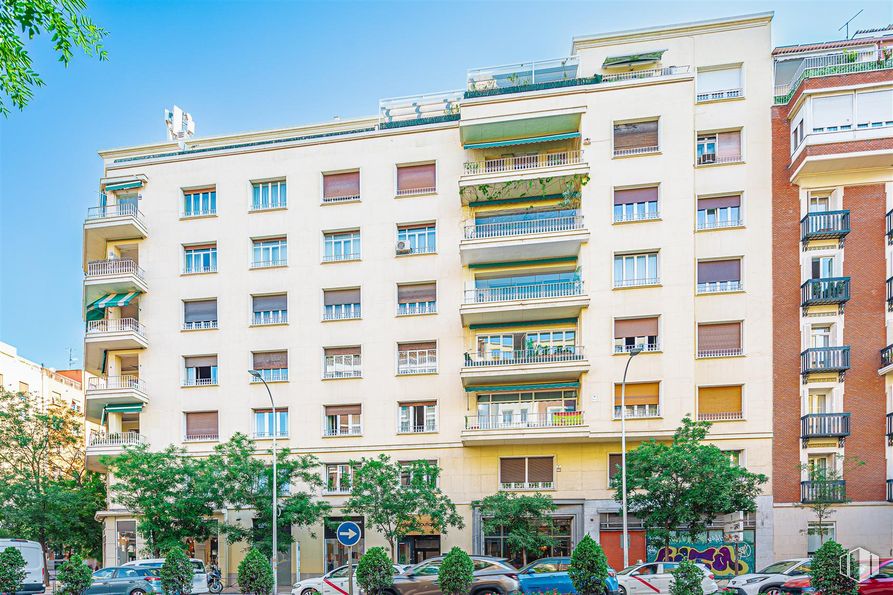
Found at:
[240, 66]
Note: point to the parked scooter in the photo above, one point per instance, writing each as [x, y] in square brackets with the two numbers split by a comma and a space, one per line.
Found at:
[215, 584]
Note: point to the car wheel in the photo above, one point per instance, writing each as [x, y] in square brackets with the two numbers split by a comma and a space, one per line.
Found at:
[487, 591]
[771, 591]
[309, 591]
[622, 590]
[137, 592]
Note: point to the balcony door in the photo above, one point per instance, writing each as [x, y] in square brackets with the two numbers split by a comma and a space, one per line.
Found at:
[820, 336]
[822, 267]
[818, 403]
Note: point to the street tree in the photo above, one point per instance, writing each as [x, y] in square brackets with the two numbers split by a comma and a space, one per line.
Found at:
[176, 572]
[255, 574]
[23, 20]
[826, 492]
[825, 574]
[687, 579]
[589, 567]
[525, 520]
[685, 485]
[74, 576]
[374, 571]
[12, 570]
[456, 573]
[398, 499]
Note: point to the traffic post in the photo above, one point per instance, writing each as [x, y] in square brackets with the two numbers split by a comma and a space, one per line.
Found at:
[349, 535]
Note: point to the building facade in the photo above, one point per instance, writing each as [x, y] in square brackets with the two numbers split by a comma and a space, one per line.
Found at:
[459, 279]
[46, 385]
[832, 151]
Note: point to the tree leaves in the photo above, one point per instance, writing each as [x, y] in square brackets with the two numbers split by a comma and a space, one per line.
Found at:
[524, 519]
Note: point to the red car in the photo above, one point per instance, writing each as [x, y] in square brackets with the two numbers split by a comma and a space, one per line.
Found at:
[877, 584]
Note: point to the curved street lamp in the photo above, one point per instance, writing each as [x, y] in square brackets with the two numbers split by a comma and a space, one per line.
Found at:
[633, 352]
[274, 561]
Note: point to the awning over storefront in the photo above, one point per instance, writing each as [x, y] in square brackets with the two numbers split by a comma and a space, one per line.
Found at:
[484, 388]
[633, 59]
[523, 141]
[96, 310]
[128, 408]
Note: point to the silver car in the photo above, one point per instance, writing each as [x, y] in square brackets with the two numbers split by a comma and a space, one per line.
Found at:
[199, 572]
[769, 580]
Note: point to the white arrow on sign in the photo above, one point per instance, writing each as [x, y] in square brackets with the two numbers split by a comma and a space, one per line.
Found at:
[349, 533]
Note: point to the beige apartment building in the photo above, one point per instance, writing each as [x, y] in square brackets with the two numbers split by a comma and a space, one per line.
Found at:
[45, 385]
[458, 279]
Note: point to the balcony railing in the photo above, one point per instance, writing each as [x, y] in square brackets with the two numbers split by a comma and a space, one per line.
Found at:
[116, 325]
[506, 229]
[341, 257]
[643, 346]
[342, 312]
[335, 489]
[636, 151]
[886, 356]
[115, 439]
[207, 437]
[645, 74]
[415, 308]
[128, 381]
[718, 95]
[713, 159]
[825, 425]
[523, 162]
[200, 381]
[823, 491]
[828, 290]
[417, 361]
[890, 426]
[638, 411]
[527, 485]
[721, 416]
[728, 352]
[113, 267]
[343, 366]
[890, 227]
[890, 294]
[263, 317]
[825, 225]
[337, 199]
[825, 359]
[516, 420]
[720, 224]
[412, 110]
[408, 428]
[636, 282]
[840, 63]
[126, 209]
[720, 286]
[523, 292]
[199, 325]
[338, 430]
[272, 375]
[525, 76]
[415, 191]
[536, 355]
[266, 264]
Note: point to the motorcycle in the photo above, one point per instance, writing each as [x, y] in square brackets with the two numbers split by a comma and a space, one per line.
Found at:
[215, 583]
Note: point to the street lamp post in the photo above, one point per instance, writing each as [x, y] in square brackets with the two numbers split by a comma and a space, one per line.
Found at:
[636, 350]
[274, 561]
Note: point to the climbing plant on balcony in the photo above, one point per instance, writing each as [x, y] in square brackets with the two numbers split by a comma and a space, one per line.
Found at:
[569, 195]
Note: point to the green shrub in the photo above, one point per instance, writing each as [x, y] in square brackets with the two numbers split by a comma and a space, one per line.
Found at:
[74, 576]
[12, 570]
[825, 575]
[687, 579]
[374, 571]
[255, 574]
[589, 567]
[176, 573]
[456, 573]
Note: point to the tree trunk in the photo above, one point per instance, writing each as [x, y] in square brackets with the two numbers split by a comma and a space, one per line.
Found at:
[524, 557]
[393, 545]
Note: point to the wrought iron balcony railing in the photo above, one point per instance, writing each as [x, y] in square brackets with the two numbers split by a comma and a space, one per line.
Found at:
[506, 229]
[825, 425]
[825, 359]
[517, 420]
[828, 290]
[523, 292]
[535, 355]
[114, 267]
[823, 491]
[825, 225]
[886, 356]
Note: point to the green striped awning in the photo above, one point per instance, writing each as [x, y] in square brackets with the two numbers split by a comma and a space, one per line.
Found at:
[128, 408]
[493, 388]
[125, 185]
[523, 141]
[633, 59]
[95, 310]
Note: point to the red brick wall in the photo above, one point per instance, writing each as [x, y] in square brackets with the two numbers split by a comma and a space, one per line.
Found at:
[853, 146]
[842, 80]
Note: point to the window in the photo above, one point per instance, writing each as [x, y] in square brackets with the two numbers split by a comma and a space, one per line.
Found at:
[817, 534]
[719, 211]
[719, 83]
[633, 270]
[269, 309]
[820, 335]
[715, 276]
[719, 403]
[526, 473]
[822, 267]
[406, 468]
[719, 339]
[818, 402]
[719, 147]
[200, 370]
[527, 409]
[272, 252]
[200, 259]
[268, 195]
[343, 420]
[341, 304]
[335, 553]
[342, 362]
[615, 460]
[201, 426]
[342, 187]
[416, 298]
[635, 138]
[272, 365]
[635, 204]
[416, 417]
[416, 239]
[338, 478]
[819, 203]
[263, 423]
[874, 108]
[797, 130]
[199, 203]
[642, 399]
[562, 536]
[528, 347]
[23, 387]
[416, 179]
[200, 314]
[831, 114]
[339, 246]
[520, 287]
[735, 457]
[417, 358]
[636, 332]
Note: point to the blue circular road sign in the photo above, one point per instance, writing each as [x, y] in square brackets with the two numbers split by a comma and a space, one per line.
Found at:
[349, 533]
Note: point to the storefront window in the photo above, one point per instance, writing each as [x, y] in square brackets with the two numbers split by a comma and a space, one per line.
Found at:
[562, 533]
[126, 540]
[335, 553]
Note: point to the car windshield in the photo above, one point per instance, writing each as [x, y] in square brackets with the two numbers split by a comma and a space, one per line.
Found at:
[628, 569]
[198, 566]
[777, 567]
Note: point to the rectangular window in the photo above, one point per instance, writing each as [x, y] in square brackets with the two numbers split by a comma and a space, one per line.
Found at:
[633, 270]
[635, 204]
[818, 402]
[343, 420]
[199, 203]
[264, 423]
[819, 203]
[341, 187]
[417, 358]
[272, 252]
[831, 114]
[416, 417]
[342, 362]
[528, 409]
[615, 460]
[561, 532]
[201, 426]
[874, 109]
[719, 83]
[200, 370]
[817, 534]
[526, 473]
[822, 267]
[341, 246]
[719, 339]
[528, 347]
[719, 211]
[417, 298]
[719, 403]
[642, 399]
[719, 147]
[272, 365]
[416, 179]
[406, 473]
[341, 304]
[24, 388]
[200, 314]
[735, 457]
[269, 309]
[268, 195]
[200, 259]
[716, 276]
[338, 478]
[632, 333]
[416, 239]
[797, 130]
[635, 138]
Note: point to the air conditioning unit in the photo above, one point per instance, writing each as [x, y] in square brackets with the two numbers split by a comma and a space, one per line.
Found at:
[403, 247]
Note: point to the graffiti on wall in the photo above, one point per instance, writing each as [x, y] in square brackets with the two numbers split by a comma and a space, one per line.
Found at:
[719, 556]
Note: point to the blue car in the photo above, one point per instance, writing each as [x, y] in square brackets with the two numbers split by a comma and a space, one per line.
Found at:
[548, 575]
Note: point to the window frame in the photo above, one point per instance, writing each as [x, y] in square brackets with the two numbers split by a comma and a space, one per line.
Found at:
[282, 191]
[623, 283]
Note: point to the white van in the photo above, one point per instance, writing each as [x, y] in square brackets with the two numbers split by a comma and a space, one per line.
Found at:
[35, 565]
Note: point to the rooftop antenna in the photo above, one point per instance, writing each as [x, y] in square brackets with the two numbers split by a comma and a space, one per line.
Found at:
[180, 125]
[847, 24]
[71, 358]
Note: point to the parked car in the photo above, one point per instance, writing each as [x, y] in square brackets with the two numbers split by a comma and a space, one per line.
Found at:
[655, 578]
[769, 580]
[199, 576]
[548, 575]
[35, 564]
[333, 582]
[880, 583]
[492, 576]
[125, 580]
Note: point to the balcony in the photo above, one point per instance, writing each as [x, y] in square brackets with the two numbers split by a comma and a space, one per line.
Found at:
[114, 390]
[540, 428]
[825, 225]
[890, 429]
[889, 220]
[829, 65]
[525, 239]
[111, 334]
[825, 425]
[823, 491]
[719, 95]
[543, 301]
[206, 437]
[100, 444]
[537, 364]
[715, 159]
[526, 76]
[554, 167]
[414, 110]
[116, 275]
[417, 361]
[825, 359]
[335, 431]
[527, 486]
[828, 290]
[890, 294]
[122, 221]
[501, 165]
[723, 416]
[886, 360]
